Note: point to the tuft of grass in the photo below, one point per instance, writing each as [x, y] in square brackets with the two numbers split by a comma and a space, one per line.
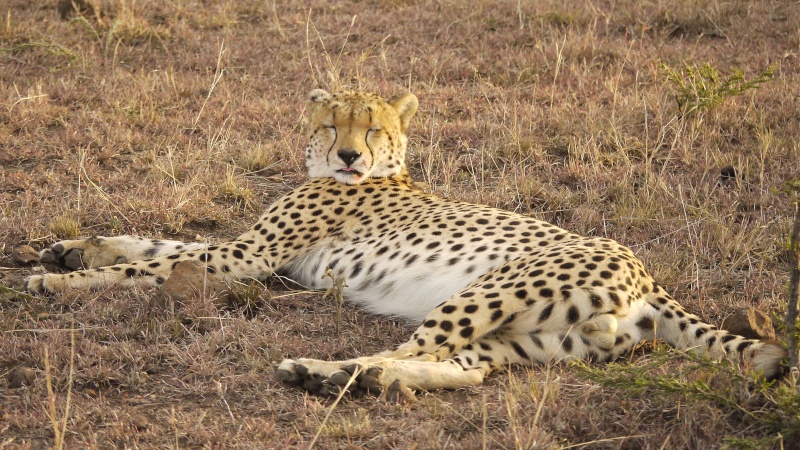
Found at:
[235, 189]
[769, 410]
[258, 159]
[65, 227]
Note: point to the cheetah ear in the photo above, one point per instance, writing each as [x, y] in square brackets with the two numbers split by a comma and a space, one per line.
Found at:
[406, 106]
[319, 95]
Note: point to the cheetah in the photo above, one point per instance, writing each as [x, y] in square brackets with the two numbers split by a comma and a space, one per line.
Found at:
[488, 288]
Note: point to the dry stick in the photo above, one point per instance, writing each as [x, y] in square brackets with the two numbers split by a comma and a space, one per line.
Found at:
[333, 406]
[794, 285]
[218, 72]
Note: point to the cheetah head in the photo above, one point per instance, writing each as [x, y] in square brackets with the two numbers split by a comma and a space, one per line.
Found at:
[353, 136]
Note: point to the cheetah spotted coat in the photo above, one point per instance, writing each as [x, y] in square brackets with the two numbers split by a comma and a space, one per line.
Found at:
[488, 287]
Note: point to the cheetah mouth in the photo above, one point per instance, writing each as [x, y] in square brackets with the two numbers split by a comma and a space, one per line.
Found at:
[350, 171]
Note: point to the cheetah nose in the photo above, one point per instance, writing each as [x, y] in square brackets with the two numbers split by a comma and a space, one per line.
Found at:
[348, 155]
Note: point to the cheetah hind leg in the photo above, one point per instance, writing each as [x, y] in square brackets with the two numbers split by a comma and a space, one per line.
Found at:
[601, 330]
[395, 377]
[99, 251]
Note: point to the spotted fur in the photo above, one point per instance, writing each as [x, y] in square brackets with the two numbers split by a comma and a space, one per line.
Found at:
[488, 287]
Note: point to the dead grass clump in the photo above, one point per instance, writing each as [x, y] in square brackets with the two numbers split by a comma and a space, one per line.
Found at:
[65, 227]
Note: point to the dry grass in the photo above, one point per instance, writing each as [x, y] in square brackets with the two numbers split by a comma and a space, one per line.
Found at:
[179, 119]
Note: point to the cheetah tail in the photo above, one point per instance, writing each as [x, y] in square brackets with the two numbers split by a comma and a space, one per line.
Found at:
[685, 331]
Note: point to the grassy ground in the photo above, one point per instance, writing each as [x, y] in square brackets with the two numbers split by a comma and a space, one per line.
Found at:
[184, 120]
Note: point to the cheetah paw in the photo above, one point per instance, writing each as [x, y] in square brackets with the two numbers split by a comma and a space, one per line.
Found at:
[35, 284]
[330, 378]
[79, 254]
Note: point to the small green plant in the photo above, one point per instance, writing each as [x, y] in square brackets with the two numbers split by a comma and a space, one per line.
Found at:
[702, 88]
[771, 410]
[336, 292]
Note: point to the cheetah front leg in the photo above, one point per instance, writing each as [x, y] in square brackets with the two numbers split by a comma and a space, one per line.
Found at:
[376, 374]
[100, 251]
[498, 350]
[228, 260]
[421, 363]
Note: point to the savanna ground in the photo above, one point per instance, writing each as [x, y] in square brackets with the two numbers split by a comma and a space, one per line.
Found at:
[183, 120]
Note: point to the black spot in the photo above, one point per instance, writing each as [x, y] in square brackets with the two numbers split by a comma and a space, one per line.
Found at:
[545, 314]
[130, 272]
[522, 293]
[446, 325]
[429, 323]
[700, 331]
[448, 309]
[567, 344]
[496, 315]
[470, 309]
[466, 332]
[546, 293]
[744, 345]
[495, 304]
[356, 269]
[572, 314]
[520, 351]
[440, 339]
[465, 322]
[238, 254]
[645, 323]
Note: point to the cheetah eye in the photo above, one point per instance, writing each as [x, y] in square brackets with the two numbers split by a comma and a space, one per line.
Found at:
[329, 127]
[375, 129]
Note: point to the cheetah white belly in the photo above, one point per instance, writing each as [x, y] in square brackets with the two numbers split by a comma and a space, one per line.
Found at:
[395, 283]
